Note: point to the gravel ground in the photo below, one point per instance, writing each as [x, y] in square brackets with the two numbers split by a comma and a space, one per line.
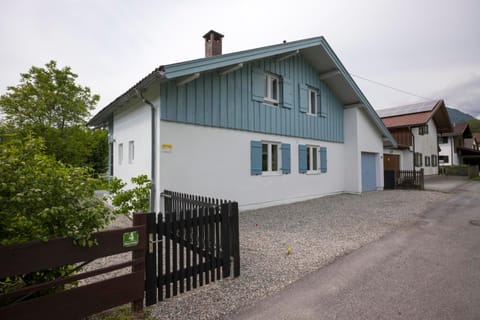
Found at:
[318, 231]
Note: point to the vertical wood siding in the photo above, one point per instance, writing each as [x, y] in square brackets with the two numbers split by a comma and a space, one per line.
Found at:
[226, 102]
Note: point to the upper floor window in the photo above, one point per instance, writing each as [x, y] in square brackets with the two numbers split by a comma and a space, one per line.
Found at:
[442, 140]
[423, 130]
[312, 101]
[272, 88]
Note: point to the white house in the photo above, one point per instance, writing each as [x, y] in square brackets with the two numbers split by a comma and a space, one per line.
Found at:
[458, 147]
[264, 126]
[416, 128]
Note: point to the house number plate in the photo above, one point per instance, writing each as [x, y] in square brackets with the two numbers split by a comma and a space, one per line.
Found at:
[130, 239]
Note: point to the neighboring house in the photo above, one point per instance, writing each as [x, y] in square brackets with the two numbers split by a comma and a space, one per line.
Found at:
[265, 126]
[458, 147]
[416, 128]
[474, 142]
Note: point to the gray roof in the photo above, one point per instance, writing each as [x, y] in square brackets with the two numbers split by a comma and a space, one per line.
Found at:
[408, 109]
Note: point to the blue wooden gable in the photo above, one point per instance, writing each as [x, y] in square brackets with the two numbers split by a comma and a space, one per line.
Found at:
[232, 101]
[235, 101]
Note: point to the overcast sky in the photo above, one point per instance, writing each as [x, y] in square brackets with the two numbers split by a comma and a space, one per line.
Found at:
[430, 48]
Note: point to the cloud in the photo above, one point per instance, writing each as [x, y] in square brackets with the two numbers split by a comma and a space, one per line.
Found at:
[463, 95]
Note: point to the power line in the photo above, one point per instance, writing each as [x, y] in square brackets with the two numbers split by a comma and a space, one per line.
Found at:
[392, 88]
[399, 90]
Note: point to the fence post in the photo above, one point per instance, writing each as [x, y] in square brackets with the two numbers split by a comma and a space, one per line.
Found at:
[236, 239]
[225, 240]
[139, 219]
[150, 260]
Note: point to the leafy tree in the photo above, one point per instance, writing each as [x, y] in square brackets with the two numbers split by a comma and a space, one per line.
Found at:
[48, 103]
[129, 201]
[474, 125]
[41, 198]
[47, 97]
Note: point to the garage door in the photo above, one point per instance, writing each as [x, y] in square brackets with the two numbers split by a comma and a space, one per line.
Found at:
[369, 172]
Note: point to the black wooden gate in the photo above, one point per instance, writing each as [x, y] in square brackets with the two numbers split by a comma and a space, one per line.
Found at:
[194, 243]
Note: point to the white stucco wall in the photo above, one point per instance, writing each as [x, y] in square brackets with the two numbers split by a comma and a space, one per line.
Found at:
[216, 162]
[361, 135]
[132, 124]
[370, 140]
[352, 160]
[427, 145]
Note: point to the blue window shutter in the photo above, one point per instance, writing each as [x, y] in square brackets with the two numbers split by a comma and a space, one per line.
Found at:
[286, 158]
[258, 85]
[322, 108]
[323, 159]
[255, 158]
[303, 97]
[302, 158]
[287, 99]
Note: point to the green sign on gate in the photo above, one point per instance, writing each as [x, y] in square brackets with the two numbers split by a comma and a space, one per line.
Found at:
[130, 239]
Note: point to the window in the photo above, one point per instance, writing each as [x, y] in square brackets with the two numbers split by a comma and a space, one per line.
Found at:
[270, 157]
[427, 161]
[120, 153]
[312, 159]
[434, 160]
[443, 159]
[418, 159]
[131, 151]
[312, 101]
[442, 140]
[272, 88]
[423, 130]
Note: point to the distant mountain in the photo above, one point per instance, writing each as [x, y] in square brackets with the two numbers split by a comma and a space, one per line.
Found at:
[457, 116]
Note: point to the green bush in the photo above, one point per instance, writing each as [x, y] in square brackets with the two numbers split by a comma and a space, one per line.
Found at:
[130, 200]
[41, 199]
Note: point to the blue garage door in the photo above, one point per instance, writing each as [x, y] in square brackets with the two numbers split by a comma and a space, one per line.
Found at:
[369, 172]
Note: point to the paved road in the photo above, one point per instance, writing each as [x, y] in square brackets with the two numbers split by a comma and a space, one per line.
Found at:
[444, 183]
[427, 271]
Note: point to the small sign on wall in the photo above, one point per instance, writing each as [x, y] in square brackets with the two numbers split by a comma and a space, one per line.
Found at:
[167, 147]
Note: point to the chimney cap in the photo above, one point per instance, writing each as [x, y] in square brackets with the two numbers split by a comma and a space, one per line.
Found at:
[216, 34]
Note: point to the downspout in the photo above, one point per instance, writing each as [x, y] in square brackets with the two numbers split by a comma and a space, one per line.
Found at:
[413, 144]
[153, 178]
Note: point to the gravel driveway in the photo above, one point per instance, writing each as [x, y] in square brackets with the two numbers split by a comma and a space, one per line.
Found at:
[318, 231]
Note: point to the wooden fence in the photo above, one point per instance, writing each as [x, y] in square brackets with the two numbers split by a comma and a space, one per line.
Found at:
[193, 244]
[409, 179]
[76, 302]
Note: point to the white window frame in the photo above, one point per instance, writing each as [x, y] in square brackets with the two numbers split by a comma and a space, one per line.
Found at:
[269, 85]
[270, 147]
[131, 151]
[315, 101]
[313, 159]
[120, 153]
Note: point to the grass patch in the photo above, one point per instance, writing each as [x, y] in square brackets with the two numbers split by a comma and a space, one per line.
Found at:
[475, 179]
